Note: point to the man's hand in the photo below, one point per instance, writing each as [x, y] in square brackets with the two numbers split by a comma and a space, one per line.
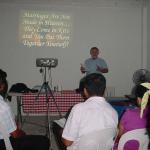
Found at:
[82, 69]
[18, 133]
[67, 142]
[102, 70]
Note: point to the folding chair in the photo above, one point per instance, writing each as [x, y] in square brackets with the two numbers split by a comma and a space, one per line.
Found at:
[138, 135]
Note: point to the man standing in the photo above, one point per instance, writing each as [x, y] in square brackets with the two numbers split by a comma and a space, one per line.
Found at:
[94, 64]
[94, 114]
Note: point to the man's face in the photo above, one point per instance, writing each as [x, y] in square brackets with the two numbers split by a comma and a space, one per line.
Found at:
[94, 53]
[3, 89]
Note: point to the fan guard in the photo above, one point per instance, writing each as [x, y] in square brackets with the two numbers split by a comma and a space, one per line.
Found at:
[140, 76]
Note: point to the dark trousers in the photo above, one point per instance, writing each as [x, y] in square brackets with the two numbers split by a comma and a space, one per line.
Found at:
[28, 142]
[57, 131]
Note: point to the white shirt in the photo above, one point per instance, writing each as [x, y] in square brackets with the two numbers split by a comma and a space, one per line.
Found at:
[91, 115]
[6, 117]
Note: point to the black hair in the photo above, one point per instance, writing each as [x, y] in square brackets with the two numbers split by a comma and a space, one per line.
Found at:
[95, 84]
[95, 48]
[139, 92]
[3, 74]
[3, 81]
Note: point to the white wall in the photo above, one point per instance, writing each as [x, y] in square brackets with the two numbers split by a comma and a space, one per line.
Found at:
[112, 26]
[148, 41]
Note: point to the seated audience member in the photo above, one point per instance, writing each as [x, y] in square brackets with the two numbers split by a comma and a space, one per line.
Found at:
[56, 128]
[136, 118]
[25, 142]
[92, 115]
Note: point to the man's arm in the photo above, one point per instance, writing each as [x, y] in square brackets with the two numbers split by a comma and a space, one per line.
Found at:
[120, 132]
[71, 129]
[14, 134]
[7, 118]
[104, 70]
[82, 69]
[17, 133]
[66, 142]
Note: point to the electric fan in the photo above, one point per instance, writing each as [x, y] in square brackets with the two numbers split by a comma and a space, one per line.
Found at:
[140, 76]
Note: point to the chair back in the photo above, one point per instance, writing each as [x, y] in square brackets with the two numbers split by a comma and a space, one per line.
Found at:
[6, 136]
[138, 135]
[98, 140]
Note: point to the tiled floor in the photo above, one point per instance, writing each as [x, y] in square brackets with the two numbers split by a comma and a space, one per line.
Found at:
[37, 125]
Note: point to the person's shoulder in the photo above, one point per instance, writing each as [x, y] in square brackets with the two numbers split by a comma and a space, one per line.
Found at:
[101, 59]
[88, 59]
[78, 107]
[129, 113]
[3, 103]
[131, 110]
[4, 107]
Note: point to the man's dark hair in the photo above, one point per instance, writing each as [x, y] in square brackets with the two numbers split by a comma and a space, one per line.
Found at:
[95, 48]
[95, 84]
[3, 81]
[4, 91]
[3, 74]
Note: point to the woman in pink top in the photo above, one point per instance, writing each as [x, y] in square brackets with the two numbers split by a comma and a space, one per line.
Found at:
[136, 118]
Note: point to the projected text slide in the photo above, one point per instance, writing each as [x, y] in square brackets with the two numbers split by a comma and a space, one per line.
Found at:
[49, 29]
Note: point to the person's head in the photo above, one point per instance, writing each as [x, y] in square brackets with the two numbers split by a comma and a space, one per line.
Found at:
[94, 85]
[3, 83]
[3, 74]
[142, 95]
[3, 86]
[139, 92]
[94, 51]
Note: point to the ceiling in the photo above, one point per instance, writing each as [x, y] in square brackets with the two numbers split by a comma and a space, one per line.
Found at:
[100, 2]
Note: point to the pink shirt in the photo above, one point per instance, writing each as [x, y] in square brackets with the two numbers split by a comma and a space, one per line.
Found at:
[130, 121]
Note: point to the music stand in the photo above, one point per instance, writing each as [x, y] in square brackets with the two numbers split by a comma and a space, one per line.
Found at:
[47, 90]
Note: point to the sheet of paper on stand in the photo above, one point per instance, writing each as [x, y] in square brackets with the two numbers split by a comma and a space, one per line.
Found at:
[61, 122]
